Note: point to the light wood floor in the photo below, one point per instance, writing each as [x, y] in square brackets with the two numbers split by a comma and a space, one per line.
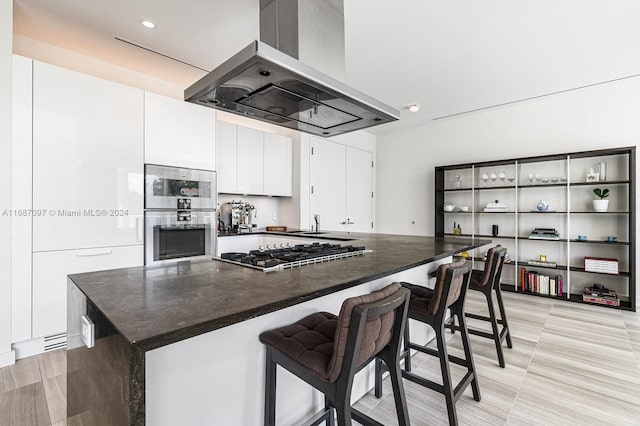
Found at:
[570, 364]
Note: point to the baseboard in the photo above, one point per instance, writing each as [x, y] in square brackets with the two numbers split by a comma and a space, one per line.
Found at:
[7, 358]
[29, 348]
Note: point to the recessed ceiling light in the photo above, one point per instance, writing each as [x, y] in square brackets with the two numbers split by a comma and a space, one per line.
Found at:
[148, 24]
[414, 107]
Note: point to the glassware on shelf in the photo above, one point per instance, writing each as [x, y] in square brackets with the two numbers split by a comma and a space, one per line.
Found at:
[458, 183]
[602, 170]
[530, 179]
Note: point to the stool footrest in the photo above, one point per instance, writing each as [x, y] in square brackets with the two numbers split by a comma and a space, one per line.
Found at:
[482, 318]
[362, 418]
[433, 352]
[422, 381]
[459, 390]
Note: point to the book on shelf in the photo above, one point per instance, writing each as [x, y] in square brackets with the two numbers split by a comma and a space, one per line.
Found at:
[601, 265]
[535, 282]
[540, 263]
[544, 234]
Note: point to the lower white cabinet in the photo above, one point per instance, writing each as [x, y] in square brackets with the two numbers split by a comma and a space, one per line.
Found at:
[50, 270]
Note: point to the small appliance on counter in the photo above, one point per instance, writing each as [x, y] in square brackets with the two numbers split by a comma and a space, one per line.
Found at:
[179, 214]
[237, 216]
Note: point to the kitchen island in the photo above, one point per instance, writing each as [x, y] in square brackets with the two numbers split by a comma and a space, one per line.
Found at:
[179, 344]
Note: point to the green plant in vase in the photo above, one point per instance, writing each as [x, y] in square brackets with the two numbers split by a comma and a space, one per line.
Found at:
[601, 204]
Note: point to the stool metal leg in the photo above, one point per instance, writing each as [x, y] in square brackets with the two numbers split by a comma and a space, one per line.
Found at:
[494, 326]
[464, 334]
[447, 383]
[270, 391]
[503, 316]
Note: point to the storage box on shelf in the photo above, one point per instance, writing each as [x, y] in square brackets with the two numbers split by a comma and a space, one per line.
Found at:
[542, 206]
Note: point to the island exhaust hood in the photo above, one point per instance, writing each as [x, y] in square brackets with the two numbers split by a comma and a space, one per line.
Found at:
[264, 83]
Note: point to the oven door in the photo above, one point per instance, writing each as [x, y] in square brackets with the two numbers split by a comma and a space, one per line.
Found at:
[165, 186]
[172, 236]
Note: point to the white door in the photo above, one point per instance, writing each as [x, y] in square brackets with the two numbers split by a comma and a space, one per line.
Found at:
[278, 164]
[227, 157]
[327, 179]
[250, 161]
[359, 198]
[178, 133]
[87, 161]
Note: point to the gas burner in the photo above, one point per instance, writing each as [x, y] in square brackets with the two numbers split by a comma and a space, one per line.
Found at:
[284, 256]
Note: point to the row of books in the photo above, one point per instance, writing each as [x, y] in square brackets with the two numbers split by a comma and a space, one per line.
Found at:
[535, 282]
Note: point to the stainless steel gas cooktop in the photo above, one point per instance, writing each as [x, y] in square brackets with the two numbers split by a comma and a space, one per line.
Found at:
[291, 256]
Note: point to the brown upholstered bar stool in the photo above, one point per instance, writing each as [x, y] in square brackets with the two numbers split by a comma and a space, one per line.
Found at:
[430, 306]
[487, 281]
[327, 351]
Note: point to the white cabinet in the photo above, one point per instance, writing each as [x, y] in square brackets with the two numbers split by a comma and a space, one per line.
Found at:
[227, 156]
[178, 133]
[341, 179]
[21, 199]
[278, 157]
[253, 162]
[50, 272]
[250, 161]
[87, 161]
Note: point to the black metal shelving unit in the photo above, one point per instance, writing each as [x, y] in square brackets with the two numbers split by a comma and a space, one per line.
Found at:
[475, 188]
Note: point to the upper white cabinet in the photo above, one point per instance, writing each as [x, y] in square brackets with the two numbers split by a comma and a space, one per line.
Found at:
[87, 161]
[250, 161]
[227, 146]
[341, 179]
[277, 164]
[178, 133]
[253, 162]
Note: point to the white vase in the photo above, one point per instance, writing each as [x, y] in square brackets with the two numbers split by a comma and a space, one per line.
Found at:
[600, 205]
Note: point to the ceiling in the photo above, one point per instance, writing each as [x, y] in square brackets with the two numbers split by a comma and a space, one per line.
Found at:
[450, 57]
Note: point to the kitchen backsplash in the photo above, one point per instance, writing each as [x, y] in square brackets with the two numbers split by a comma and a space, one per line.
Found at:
[265, 208]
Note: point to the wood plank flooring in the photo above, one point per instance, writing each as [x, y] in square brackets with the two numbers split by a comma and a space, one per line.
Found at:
[571, 364]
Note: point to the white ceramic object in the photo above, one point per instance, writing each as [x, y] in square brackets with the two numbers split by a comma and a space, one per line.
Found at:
[448, 207]
[600, 206]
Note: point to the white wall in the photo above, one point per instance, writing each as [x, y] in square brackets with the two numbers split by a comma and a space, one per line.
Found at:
[604, 116]
[6, 42]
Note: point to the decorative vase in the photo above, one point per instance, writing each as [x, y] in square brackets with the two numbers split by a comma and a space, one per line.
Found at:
[600, 205]
[542, 206]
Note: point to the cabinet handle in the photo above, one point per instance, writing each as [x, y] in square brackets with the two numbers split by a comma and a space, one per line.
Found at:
[139, 229]
[94, 252]
[343, 223]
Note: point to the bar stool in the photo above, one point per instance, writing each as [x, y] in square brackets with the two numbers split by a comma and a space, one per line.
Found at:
[327, 351]
[430, 306]
[486, 281]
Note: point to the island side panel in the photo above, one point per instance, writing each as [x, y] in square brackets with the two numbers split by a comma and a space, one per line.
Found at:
[99, 379]
[218, 377]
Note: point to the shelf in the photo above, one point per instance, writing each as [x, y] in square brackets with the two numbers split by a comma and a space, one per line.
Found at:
[611, 243]
[579, 269]
[512, 288]
[601, 183]
[525, 264]
[538, 212]
[600, 213]
[455, 189]
[484, 188]
[457, 212]
[620, 220]
[624, 305]
[543, 185]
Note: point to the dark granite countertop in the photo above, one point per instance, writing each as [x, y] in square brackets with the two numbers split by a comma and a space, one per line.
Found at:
[156, 306]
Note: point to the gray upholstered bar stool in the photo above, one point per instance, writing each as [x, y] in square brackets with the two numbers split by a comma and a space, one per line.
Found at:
[430, 307]
[487, 281]
[327, 351]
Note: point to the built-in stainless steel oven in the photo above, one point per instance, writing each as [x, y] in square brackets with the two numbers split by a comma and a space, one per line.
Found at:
[180, 214]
